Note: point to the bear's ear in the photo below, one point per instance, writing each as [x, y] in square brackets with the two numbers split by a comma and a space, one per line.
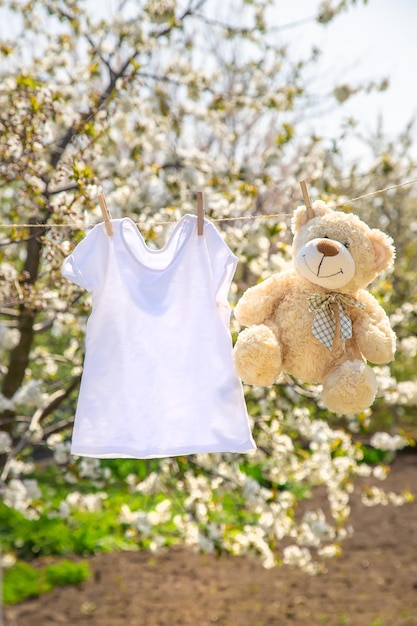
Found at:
[301, 216]
[384, 249]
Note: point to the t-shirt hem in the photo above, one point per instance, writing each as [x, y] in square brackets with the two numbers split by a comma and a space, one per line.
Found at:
[107, 452]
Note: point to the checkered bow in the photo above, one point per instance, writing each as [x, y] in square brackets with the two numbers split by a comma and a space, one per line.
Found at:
[324, 324]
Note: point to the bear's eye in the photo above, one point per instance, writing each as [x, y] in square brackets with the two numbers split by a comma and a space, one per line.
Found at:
[346, 244]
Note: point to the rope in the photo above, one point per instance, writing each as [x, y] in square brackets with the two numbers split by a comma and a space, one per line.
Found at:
[218, 219]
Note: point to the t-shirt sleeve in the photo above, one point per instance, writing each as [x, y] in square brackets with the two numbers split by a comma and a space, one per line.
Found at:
[86, 265]
[223, 263]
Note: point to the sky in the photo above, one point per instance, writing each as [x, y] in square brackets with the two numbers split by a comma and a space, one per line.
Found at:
[364, 43]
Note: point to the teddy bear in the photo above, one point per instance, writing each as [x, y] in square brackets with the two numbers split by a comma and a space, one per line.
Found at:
[317, 322]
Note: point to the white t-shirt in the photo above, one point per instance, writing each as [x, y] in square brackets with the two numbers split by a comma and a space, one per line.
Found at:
[159, 377]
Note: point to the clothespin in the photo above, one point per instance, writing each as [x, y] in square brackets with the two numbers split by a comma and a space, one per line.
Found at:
[306, 198]
[200, 213]
[106, 214]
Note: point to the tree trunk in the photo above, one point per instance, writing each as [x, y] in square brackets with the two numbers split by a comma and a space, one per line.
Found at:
[19, 356]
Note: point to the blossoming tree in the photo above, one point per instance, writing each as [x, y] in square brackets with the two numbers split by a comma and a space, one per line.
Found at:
[151, 103]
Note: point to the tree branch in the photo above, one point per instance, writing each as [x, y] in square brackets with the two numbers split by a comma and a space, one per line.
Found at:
[54, 402]
[105, 95]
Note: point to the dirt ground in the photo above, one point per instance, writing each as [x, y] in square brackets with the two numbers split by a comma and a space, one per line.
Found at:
[374, 582]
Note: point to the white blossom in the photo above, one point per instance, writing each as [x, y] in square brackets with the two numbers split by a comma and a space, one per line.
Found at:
[29, 394]
[90, 502]
[385, 441]
[18, 468]
[62, 452]
[5, 442]
[90, 468]
[150, 485]
[7, 560]
[408, 346]
[20, 494]
[9, 337]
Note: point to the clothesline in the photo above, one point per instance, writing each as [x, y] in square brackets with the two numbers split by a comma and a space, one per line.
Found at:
[333, 206]
[214, 219]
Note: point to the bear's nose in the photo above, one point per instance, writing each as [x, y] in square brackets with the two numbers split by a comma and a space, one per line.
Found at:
[328, 248]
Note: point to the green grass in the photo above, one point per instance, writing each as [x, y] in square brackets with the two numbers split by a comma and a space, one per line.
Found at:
[23, 581]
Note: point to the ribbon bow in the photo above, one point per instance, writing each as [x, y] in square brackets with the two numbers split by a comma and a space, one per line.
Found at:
[324, 324]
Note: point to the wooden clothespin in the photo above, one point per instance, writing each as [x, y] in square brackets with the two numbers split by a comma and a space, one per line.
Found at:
[306, 198]
[106, 214]
[200, 213]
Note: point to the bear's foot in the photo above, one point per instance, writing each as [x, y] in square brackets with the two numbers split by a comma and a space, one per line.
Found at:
[349, 388]
[257, 356]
